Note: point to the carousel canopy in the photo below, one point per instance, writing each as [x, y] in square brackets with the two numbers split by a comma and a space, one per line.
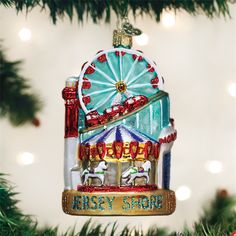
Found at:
[119, 133]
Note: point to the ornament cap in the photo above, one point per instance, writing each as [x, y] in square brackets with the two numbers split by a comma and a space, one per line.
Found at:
[120, 38]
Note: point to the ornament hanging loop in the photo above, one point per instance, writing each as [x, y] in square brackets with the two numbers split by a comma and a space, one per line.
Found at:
[123, 24]
[128, 28]
[122, 36]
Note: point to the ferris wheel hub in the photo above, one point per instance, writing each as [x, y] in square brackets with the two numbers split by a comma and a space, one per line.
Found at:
[121, 87]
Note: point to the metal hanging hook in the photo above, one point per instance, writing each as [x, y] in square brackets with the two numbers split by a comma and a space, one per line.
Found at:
[123, 24]
[129, 29]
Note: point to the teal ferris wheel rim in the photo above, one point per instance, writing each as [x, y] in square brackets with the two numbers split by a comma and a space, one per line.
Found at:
[118, 81]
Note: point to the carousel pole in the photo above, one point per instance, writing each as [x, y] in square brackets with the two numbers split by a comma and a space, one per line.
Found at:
[69, 94]
[119, 173]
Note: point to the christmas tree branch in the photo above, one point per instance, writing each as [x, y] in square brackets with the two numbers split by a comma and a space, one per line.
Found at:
[17, 103]
[101, 9]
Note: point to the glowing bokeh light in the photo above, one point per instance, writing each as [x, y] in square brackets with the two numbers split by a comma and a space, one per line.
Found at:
[214, 166]
[25, 158]
[183, 193]
[142, 39]
[168, 19]
[25, 34]
[232, 89]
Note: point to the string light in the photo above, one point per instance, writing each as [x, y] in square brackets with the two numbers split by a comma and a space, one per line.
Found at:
[232, 89]
[183, 193]
[168, 19]
[25, 34]
[214, 166]
[142, 39]
[25, 158]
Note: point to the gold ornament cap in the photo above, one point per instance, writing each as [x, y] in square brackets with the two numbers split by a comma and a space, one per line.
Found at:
[120, 38]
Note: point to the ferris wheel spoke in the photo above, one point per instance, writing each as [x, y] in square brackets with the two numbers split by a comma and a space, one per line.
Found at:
[128, 93]
[100, 104]
[101, 91]
[112, 68]
[102, 83]
[103, 74]
[121, 66]
[131, 70]
[117, 99]
[138, 76]
[141, 85]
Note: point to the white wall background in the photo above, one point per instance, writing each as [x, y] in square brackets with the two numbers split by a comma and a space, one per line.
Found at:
[198, 60]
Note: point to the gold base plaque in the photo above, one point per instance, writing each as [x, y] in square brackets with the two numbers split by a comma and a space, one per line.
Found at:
[156, 202]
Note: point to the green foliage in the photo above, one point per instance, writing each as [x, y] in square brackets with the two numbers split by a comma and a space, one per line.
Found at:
[221, 215]
[101, 9]
[16, 102]
[219, 219]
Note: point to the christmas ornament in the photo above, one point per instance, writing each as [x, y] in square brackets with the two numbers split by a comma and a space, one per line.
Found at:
[118, 135]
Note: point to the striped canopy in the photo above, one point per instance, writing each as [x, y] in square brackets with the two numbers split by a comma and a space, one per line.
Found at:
[119, 133]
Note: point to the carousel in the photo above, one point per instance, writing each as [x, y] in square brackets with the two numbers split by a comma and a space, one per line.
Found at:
[123, 150]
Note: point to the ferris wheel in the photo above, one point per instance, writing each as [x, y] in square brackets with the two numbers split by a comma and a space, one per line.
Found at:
[115, 75]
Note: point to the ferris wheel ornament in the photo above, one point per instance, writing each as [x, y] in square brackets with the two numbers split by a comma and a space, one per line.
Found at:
[118, 135]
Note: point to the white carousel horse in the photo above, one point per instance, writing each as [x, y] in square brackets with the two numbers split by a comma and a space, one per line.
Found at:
[134, 172]
[98, 172]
